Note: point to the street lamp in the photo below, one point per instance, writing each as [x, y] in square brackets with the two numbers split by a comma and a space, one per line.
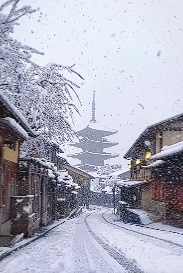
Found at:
[114, 193]
[148, 155]
[114, 197]
[137, 161]
[130, 166]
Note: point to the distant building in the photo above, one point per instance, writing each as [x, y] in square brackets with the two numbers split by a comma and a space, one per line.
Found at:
[122, 174]
[93, 142]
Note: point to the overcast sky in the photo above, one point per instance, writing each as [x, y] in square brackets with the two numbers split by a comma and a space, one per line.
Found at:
[129, 52]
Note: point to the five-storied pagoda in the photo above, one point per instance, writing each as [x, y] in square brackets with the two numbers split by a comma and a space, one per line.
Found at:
[92, 141]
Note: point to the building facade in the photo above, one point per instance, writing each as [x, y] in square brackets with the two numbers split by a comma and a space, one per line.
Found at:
[156, 157]
[13, 131]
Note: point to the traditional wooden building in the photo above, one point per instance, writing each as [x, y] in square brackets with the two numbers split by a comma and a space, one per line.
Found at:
[156, 157]
[122, 174]
[131, 192]
[167, 183]
[13, 131]
[34, 205]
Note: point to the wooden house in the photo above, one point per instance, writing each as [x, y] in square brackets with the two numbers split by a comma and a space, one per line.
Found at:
[167, 184]
[13, 131]
[131, 192]
[162, 170]
[122, 174]
[34, 205]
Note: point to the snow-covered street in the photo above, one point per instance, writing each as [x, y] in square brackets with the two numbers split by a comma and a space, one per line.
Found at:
[88, 243]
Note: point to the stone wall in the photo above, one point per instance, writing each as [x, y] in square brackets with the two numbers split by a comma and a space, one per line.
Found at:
[158, 210]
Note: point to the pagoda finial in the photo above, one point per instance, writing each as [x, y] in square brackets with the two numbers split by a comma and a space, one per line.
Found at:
[93, 108]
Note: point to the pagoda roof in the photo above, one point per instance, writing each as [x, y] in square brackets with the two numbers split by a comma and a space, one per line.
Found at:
[82, 154]
[84, 141]
[95, 127]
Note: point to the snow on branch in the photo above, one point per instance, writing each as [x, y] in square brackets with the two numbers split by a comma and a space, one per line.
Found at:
[43, 95]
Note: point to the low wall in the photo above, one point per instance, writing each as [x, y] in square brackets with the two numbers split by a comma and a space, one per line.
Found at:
[158, 210]
[5, 228]
[23, 216]
[146, 200]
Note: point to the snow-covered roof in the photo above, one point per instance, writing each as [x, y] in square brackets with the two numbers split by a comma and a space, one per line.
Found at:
[169, 150]
[154, 164]
[15, 126]
[94, 128]
[119, 172]
[148, 132]
[16, 114]
[94, 141]
[106, 155]
[77, 170]
[97, 126]
[129, 183]
[94, 153]
[86, 142]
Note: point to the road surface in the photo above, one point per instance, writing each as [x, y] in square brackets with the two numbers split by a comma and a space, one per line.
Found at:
[89, 244]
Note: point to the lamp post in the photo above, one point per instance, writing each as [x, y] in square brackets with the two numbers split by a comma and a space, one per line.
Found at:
[114, 193]
[114, 197]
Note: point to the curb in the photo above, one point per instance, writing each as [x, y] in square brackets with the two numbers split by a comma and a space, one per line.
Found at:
[139, 232]
[154, 228]
[73, 213]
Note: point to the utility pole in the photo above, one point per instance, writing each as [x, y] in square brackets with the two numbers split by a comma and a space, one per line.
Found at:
[114, 197]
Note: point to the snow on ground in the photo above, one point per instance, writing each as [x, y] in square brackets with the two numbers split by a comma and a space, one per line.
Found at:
[148, 257]
[70, 248]
[159, 230]
[49, 254]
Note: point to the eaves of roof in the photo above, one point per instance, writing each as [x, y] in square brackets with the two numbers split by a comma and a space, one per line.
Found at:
[16, 115]
[148, 131]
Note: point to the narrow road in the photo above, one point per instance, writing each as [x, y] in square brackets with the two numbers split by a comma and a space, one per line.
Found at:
[89, 244]
[68, 248]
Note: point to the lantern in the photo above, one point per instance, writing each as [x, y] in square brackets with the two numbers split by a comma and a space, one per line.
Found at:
[148, 155]
[129, 166]
[137, 161]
